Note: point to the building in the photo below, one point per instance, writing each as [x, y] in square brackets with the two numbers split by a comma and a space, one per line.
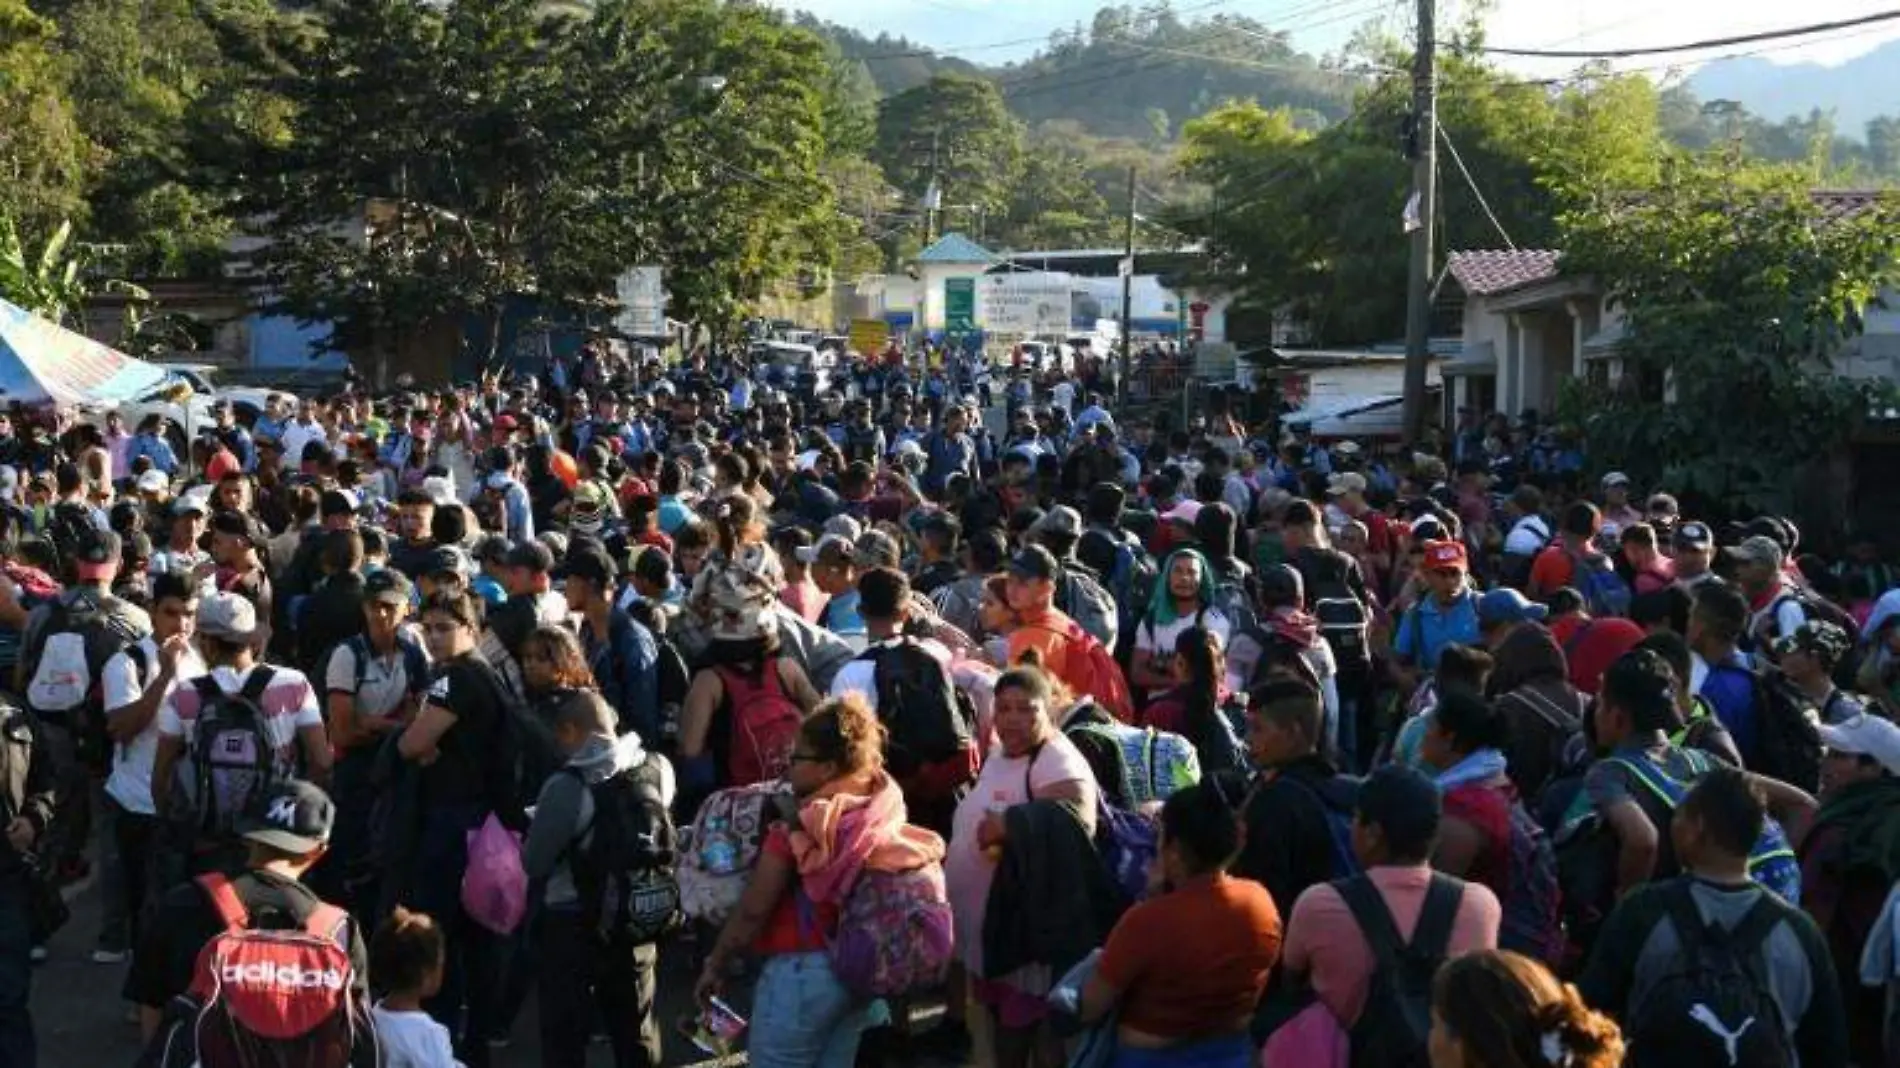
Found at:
[1342, 393]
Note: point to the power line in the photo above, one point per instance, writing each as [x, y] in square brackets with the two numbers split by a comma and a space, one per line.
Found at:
[1475, 191]
[1696, 46]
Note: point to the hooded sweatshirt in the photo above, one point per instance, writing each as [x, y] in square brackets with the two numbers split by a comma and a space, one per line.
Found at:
[564, 812]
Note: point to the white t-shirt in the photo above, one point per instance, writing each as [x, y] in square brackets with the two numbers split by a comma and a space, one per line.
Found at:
[1159, 641]
[967, 871]
[289, 704]
[860, 676]
[121, 683]
[386, 680]
[412, 1040]
[1063, 394]
[1528, 536]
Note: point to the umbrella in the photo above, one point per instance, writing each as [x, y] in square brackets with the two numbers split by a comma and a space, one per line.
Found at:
[42, 362]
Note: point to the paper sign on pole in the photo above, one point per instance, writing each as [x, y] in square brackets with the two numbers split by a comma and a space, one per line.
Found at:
[642, 296]
[869, 336]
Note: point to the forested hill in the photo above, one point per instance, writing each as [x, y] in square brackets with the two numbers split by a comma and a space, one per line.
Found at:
[1131, 73]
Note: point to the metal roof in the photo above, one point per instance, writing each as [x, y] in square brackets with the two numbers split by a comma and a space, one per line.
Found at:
[955, 248]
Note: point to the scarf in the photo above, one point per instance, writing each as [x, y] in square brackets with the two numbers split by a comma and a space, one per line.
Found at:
[839, 834]
[1481, 765]
[1295, 626]
[1869, 815]
[1161, 606]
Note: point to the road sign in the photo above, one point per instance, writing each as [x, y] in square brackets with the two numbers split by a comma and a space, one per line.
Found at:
[1026, 306]
[869, 336]
[959, 305]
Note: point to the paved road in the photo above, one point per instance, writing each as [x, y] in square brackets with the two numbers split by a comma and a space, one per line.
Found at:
[81, 1021]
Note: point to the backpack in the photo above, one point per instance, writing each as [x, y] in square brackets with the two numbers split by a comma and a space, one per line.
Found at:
[674, 682]
[1396, 1022]
[1232, 600]
[718, 852]
[415, 662]
[931, 747]
[1080, 596]
[1343, 622]
[266, 997]
[625, 871]
[960, 603]
[1847, 672]
[765, 723]
[1605, 593]
[1771, 864]
[232, 760]
[1094, 673]
[523, 753]
[1128, 843]
[1568, 723]
[1155, 763]
[1713, 1003]
[895, 932]
[76, 640]
[1787, 729]
[1532, 920]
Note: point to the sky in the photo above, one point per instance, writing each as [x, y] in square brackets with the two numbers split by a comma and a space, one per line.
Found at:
[974, 28]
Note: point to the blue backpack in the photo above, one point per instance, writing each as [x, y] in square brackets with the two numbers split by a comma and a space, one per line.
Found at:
[1605, 593]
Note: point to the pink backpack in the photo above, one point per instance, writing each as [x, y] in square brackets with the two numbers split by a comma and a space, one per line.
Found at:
[720, 849]
[895, 933]
[764, 725]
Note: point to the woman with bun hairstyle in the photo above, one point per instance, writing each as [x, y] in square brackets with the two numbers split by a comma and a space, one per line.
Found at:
[848, 815]
[1496, 1009]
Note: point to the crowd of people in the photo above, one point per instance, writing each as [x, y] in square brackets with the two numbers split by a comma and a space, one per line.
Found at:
[1141, 742]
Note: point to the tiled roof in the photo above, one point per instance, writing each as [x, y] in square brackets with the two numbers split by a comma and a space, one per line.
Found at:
[1838, 204]
[1489, 272]
[955, 248]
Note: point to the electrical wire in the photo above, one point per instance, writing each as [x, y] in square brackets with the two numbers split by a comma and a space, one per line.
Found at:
[1475, 191]
[1695, 46]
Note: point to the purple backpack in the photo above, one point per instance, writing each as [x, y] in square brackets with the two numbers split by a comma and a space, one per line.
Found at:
[894, 933]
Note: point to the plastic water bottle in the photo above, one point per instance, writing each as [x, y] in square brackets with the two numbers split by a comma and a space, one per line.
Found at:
[720, 853]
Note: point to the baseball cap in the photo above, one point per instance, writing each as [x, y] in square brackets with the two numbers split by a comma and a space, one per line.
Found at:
[1695, 535]
[239, 525]
[153, 481]
[1615, 478]
[1061, 521]
[1506, 605]
[505, 423]
[1759, 549]
[1345, 482]
[96, 553]
[1444, 555]
[1865, 735]
[388, 585]
[294, 816]
[448, 558]
[844, 526]
[190, 505]
[837, 547]
[1818, 637]
[227, 616]
[337, 502]
[532, 555]
[588, 559]
[1034, 562]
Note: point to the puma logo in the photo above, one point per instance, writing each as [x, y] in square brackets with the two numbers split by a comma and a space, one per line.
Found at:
[1706, 1016]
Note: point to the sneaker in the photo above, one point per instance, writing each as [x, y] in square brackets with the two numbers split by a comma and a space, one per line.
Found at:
[108, 956]
[38, 955]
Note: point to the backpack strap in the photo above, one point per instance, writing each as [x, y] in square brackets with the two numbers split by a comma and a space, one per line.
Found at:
[328, 922]
[256, 683]
[225, 901]
[1369, 911]
[1431, 936]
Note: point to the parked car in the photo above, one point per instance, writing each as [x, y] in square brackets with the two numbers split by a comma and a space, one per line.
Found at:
[185, 397]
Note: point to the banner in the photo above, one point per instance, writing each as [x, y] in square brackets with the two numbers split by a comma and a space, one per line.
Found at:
[869, 336]
[1017, 305]
[642, 296]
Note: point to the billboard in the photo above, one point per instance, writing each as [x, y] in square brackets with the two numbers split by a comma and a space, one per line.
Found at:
[1024, 304]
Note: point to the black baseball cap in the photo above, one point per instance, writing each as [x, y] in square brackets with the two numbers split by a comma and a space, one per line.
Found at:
[589, 560]
[96, 552]
[388, 585]
[1034, 562]
[1695, 536]
[532, 555]
[447, 558]
[337, 502]
[294, 816]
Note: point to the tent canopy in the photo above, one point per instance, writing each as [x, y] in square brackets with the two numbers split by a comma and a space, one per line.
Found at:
[42, 362]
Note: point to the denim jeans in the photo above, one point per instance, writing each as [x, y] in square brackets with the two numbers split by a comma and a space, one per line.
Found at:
[17, 1048]
[802, 1016]
[129, 874]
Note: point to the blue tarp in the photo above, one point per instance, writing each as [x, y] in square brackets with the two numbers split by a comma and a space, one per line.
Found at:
[42, 362]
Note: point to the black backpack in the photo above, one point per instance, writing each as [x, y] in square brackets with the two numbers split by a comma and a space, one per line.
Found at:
[929, 719]
[1713, 1005]
[626, 870]
[1344, 620]
[1788, 729]
[1395, 1025]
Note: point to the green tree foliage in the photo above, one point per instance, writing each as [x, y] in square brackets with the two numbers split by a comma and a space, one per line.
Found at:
[42, 152]
[955, 129]
[1305, 223]
[1052, 204]
[444, 158]
[1738, 290]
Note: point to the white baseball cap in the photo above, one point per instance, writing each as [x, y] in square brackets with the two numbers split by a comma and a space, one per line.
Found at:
[1866, 735]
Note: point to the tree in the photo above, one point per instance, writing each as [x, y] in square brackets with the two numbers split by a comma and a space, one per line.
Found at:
[1051, 203]
[1738, 291]
[43, 155]
[955, 130]
[446, 159]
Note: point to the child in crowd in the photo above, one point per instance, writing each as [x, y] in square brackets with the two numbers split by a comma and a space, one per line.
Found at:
[406, 958]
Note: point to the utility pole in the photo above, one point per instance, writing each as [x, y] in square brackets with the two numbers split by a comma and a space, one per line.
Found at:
[933, 193]
[1418, 303]
[1128, 302]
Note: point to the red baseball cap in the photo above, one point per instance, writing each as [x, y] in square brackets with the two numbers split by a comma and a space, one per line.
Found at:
[1445, 555]
[505, 422]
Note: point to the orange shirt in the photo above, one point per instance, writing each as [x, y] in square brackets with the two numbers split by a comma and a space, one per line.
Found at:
[1192, 962]
[1551, 571]
[1047, 632]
